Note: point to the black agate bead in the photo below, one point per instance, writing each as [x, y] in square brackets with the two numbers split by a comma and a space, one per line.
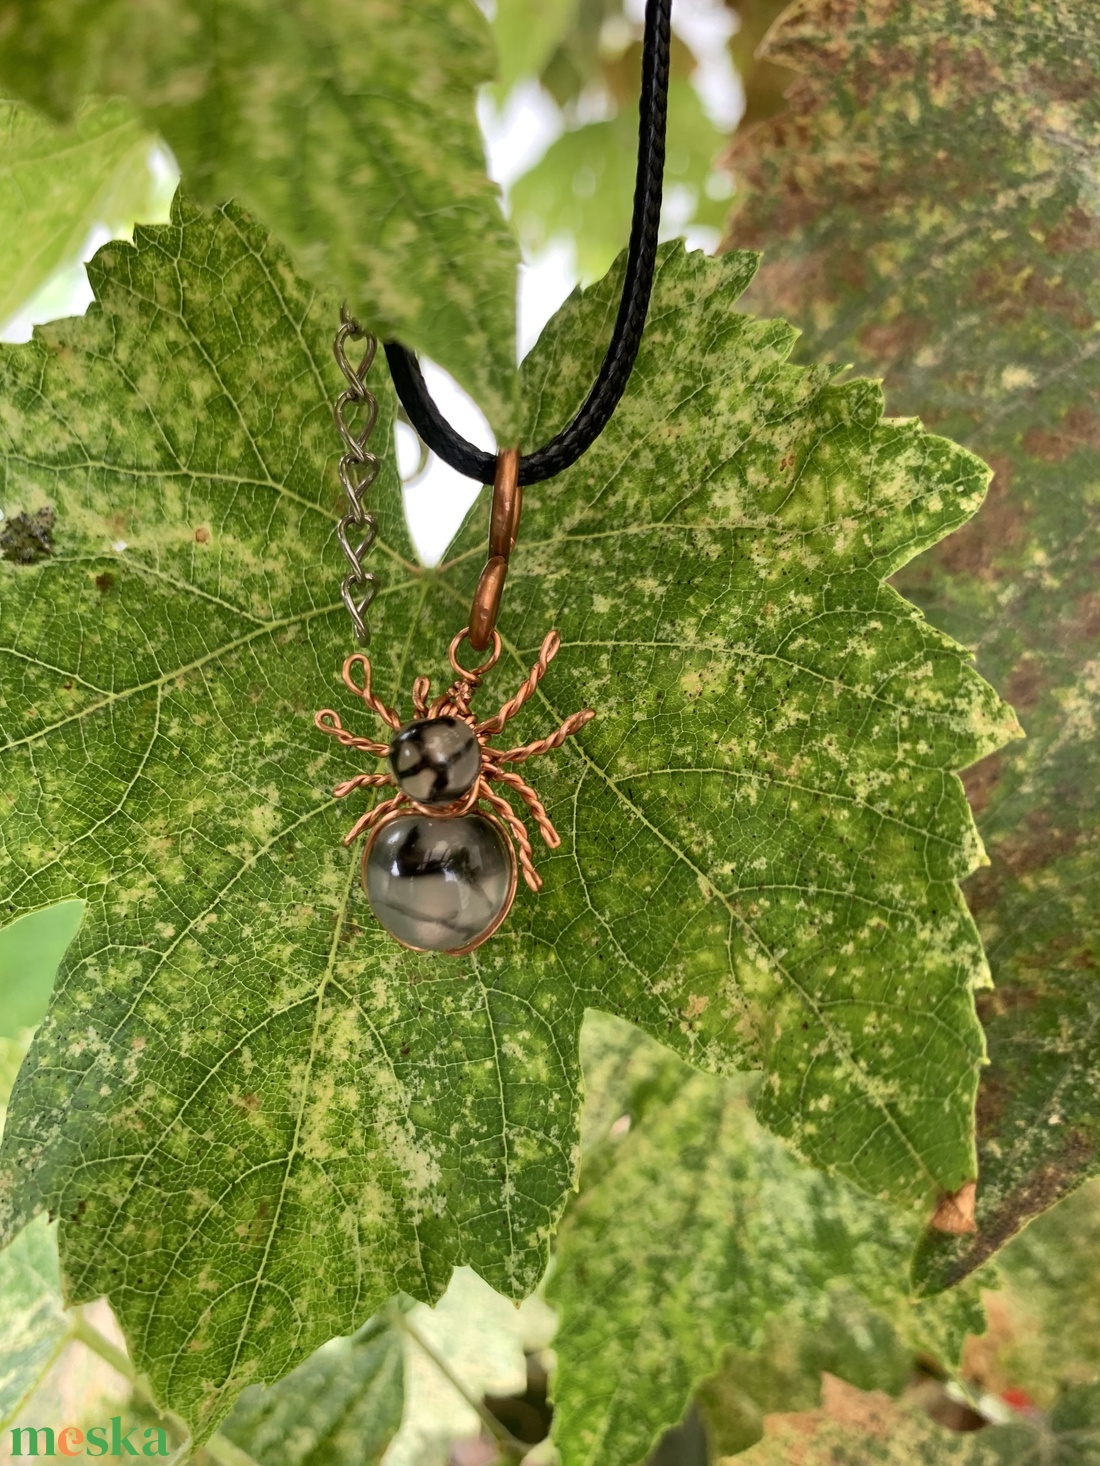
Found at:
[435, 761]
[439, 885]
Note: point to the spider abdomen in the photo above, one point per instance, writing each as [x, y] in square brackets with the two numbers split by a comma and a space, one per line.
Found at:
[439, 885]
[435, 760]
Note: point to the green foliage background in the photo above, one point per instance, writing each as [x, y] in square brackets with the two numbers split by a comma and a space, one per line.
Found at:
[764, 827]
[347, 128]
[978, 304]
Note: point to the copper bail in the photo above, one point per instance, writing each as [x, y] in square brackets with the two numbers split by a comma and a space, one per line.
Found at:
[503, 528]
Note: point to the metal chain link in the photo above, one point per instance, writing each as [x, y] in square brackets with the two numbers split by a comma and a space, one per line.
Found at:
[358, 471]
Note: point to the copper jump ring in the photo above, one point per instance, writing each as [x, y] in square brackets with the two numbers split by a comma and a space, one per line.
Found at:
[503, 529]
[474, 677]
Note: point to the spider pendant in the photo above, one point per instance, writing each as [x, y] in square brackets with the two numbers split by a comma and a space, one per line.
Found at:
[439, 870]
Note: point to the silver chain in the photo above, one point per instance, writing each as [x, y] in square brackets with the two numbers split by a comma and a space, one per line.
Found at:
[358, 471]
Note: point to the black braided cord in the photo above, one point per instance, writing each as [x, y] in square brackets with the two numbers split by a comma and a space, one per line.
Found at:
[595, 412]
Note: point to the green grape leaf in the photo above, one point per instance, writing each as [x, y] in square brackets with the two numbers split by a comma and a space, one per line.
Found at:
[35, 1327]
[854, 1342]
[527, 36]
[694, 1233]
[1044, 1335]
[922, 226]
[343, 1404]
[762, 832]
[856, 1429]
[583, 185]
[31, 950]
[390, 1388]
[57, 182]
[347, 126]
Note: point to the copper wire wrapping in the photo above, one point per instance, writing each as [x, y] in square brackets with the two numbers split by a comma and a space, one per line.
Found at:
[455, 703]
[503, 529]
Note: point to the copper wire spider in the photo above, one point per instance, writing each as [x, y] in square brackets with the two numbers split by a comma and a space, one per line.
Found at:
[455, 702]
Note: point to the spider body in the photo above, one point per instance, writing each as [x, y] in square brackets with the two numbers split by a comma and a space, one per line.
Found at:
[439, 870]
[435, 760]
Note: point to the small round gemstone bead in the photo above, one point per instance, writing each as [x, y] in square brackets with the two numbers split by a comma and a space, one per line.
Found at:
[438, 884]
[435, 761]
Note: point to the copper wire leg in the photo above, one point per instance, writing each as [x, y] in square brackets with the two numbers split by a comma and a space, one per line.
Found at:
[573, 724]
[421, 688]
[533, 802]
[376, 705]
[365, 821]
[361, 781]
[349, 740]
[550, 647]
[519, 832]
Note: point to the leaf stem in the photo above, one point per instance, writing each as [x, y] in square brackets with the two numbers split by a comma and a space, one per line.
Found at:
[224, 1452]
[514, 1449]
[219, 1448]
[81, 1330]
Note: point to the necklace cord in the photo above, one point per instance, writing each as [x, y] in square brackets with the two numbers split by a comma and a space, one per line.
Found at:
[595, 412]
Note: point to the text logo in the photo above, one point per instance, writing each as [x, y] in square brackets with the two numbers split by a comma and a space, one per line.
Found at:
[97, 1440]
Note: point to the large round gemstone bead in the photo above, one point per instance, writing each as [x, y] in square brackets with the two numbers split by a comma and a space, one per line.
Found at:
[439, 884]
[436, 760]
